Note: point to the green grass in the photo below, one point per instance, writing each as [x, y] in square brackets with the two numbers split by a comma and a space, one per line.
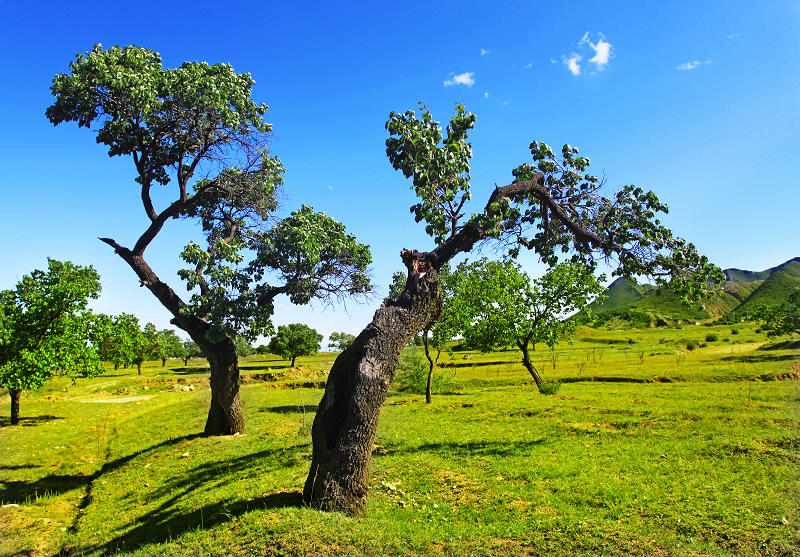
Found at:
[700, 458]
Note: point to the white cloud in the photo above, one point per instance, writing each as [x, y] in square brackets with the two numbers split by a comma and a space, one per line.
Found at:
[484, 52]
[529, 65]
[734, 35]
[686, 66]
[572, 63]
[553, 61]
[466, 78]
[486, 94]
[330, 187]
[602, 50]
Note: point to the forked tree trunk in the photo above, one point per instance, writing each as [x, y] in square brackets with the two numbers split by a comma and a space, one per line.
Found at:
[526, 361]
[15, 397]
[347, 419]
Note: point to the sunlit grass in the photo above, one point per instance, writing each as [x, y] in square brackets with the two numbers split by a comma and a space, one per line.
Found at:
[701, 457]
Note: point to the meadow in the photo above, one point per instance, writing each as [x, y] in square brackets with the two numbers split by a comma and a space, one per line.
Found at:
[665, 441]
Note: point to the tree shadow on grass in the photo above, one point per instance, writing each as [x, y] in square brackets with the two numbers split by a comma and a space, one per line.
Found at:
[190, 370]
[755, 358]
[170, 518]
[272, 366]
[28, 421]
[292, 409]
[468, 448]
[785, 345]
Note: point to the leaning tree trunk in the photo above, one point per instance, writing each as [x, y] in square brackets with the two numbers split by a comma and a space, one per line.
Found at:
[347, 419]
[526, 361]
[225, 413]
[15, 396]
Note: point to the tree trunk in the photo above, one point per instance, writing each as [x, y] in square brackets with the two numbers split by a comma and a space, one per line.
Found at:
[185, 362]
[526, 361]
[225, 415]
[116, 366]
[430, 366]
[293, 359]
[347, 419]
[15, 396]
[163, 362]
[139, 367]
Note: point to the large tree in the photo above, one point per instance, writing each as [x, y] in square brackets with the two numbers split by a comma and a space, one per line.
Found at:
[552, 206]
[45, 329]
[196, 129]
[500, 306]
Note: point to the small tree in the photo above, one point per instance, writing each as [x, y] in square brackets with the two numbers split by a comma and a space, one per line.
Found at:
[45, 329]
[341, 341]
[781, 318]
[295, 340]
[500, 306]
[243, 346]
[191, 351]
[165, 344]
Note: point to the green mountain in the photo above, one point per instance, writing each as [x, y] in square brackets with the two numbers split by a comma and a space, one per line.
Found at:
[631, 304]
[740, 275]
[776, 288]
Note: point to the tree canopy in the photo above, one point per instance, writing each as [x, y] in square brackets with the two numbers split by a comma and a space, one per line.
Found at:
[45, 328]
[500, 306]
[341, 340]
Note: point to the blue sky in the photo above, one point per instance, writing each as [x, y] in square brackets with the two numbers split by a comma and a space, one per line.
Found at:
[697, 101]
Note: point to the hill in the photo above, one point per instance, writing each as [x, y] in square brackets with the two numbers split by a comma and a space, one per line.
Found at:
[740, 275]
[775, 288]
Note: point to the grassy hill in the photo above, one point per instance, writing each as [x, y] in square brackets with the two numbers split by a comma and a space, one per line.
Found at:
[775, 288]
[740, 275]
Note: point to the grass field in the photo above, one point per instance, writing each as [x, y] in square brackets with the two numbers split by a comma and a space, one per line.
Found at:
[649, 448]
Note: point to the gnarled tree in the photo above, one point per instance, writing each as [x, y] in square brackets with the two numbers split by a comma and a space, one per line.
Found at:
[551, 206]
[196, 128]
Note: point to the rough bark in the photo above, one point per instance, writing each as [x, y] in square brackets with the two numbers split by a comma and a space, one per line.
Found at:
[347, 419]
[15, 397]
[225, 413]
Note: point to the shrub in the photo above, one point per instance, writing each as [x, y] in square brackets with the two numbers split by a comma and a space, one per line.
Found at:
[690, 346]
[734, 331]
[412, 375]
[550, 387]
[711, 337]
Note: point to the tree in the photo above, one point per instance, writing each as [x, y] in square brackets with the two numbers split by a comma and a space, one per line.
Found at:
[341, 341]
[551, 207]
[243, 346]
[165, 344]
[781, 318]
[500, 306]
[196, 128]
[45, 329]
[295, 340]
[191, 350]
[115, 338]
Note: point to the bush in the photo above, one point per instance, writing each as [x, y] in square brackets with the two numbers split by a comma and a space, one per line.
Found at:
[711, 337]
[690, 346]
[734, 331]
[550, 387]
[412, 375]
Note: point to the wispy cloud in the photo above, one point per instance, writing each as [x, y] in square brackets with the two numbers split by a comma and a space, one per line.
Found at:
[734, 35]
[485, 51]
[572, 63]
[529, 65]
[601, 52]
[330, 187]
[486, 94]
[686, 66]
[466, 78]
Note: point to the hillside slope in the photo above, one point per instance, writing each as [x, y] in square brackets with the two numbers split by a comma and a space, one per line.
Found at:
[774, 289]
[741, 275]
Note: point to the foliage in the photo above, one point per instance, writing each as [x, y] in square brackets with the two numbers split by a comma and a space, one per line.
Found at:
[412, 375]
[341, 340]
[198, 120]
[553, 206]
[164, 344]
[45, 326]
[243, 346]
[295, 339]
[501, 306]
[191, 349]
[781, 318]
